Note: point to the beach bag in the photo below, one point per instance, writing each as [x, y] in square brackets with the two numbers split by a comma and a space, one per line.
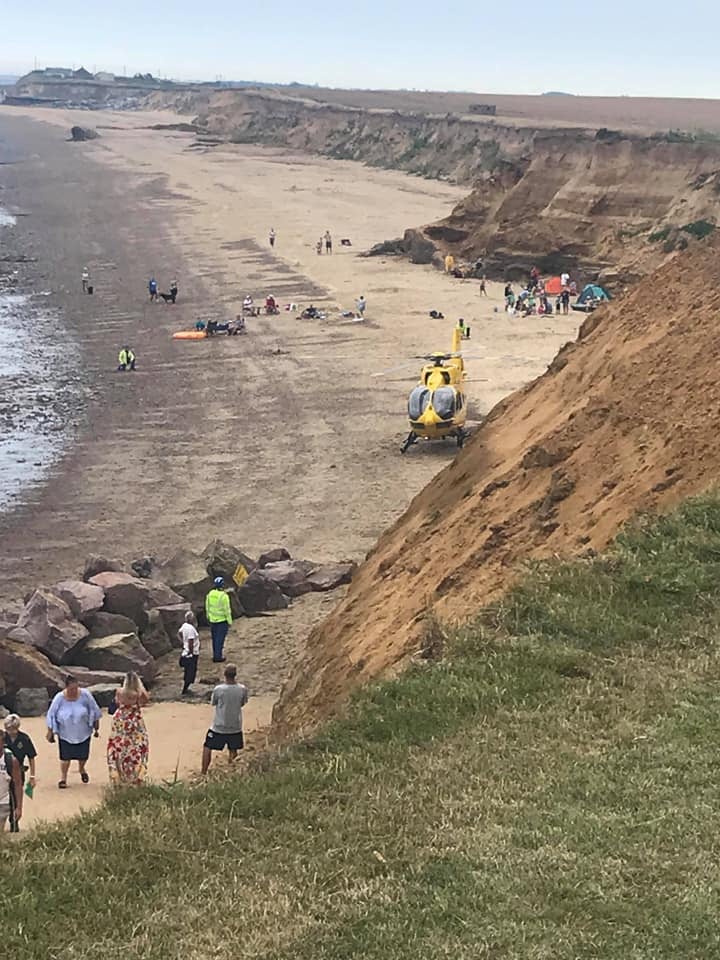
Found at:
[91, 289]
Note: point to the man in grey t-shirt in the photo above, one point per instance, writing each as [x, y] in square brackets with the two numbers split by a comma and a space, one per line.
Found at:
[228, 698]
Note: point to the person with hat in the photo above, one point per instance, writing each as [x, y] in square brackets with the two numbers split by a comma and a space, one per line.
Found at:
[219, 616]
[21, 746]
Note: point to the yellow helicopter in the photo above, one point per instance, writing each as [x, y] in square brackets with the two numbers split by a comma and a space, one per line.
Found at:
[437, 406]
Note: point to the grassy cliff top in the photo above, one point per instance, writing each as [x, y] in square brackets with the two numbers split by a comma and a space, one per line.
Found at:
[542, 786]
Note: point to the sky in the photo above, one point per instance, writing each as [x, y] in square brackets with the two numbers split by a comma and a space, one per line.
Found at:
[614, 48]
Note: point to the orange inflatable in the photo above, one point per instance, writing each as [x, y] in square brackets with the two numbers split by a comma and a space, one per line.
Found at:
[190, 335]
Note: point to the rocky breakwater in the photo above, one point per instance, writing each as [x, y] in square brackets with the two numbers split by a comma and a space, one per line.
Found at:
[118, 617]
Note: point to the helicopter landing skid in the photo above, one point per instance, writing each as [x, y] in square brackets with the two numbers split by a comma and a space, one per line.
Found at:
[408, 442]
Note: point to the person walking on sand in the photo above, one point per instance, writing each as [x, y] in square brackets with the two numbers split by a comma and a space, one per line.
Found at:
[128, 748]
[565, 301]
[190, 640]
[85, 279]
[219, 616]
[272, 236]
[361, 303]
[73, 717]
[153, 289]
[328, 242]
[449, 263]
[483, 288]
[226, 730]
[173, 291]
[126, 359]
[23, 749]
[11, 793]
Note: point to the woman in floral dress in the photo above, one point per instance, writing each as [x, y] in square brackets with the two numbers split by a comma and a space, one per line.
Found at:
[127, 749]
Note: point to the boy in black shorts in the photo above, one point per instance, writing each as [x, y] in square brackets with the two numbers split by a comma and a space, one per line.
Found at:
[228, 698]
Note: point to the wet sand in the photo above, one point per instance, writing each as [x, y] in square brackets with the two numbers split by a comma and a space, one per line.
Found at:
[176, 732]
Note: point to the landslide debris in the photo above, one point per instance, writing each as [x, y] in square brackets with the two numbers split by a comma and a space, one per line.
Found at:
[625, 419]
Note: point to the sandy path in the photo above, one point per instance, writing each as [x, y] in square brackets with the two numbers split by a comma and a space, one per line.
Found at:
[176, 732]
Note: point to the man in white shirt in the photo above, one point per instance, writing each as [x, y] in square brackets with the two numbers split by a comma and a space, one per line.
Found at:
[190, 640]
[564, 279]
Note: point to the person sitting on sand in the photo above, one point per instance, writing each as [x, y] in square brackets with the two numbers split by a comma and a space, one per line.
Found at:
[271, 306]
[237, 326]
[319, 246]
[126, 359]
[248, 308]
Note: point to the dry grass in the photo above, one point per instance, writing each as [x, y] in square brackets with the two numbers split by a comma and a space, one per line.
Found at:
[547, 790]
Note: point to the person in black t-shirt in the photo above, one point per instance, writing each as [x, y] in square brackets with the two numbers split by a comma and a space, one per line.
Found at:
[21, 746]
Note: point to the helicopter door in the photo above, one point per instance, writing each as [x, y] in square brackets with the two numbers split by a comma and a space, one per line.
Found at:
[418, 402]
[444, 402]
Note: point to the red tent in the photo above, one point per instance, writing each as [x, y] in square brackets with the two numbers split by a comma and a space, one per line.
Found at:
[553, 286]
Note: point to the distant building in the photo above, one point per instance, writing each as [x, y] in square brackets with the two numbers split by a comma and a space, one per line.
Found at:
[105, 77]
[54, 73]
[82, 74]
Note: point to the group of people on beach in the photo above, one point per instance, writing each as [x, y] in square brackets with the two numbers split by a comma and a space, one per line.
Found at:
[534, 299]
[73, 720]
[169, 297]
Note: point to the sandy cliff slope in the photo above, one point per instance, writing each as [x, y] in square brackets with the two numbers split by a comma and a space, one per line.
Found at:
[625, 419]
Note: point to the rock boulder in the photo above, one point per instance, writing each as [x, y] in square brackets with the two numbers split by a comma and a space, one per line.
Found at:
[31, 701]
[90, 678]
[273, 556]
[82, 598]
[104, 624]
[121, 652]
[154, 637]
[96, 563]
[329, 576]
[104, 693]
[222, 559]
[259, 594]
[51, 627]
[290, 575]
[186, 574]
[133, 597]
[23, 666]
[78, 134]
[173, 617]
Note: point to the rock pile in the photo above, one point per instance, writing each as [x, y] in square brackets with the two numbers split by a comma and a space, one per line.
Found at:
[121, 617]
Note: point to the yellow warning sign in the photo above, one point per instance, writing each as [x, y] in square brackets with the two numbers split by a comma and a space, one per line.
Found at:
[240, 575]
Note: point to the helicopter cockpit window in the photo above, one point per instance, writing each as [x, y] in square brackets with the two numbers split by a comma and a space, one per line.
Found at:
[417, 402]
[444, 402]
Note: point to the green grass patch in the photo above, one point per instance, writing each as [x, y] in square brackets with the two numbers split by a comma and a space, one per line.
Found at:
[547, 789]
[699, 229]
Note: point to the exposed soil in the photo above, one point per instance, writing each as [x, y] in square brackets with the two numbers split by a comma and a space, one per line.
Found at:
[625, 420]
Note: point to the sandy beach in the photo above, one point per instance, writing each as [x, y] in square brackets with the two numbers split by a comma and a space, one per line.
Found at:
[283, 437]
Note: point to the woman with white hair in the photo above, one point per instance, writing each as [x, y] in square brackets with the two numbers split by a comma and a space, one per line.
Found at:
[128, 747]
[21, 746]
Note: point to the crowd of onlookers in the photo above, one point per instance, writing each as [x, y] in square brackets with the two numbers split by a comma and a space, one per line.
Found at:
[534, 299]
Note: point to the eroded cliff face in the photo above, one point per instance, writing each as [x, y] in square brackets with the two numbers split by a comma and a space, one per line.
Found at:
[614, 208]
[599, 203]
[624, 420]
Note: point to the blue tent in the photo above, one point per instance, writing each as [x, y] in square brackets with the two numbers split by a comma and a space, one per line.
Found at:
[589, 298]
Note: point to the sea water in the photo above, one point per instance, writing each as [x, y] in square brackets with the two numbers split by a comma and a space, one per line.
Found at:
[38, 386]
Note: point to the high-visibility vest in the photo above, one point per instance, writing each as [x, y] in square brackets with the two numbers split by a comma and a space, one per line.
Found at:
[126, 356]
[217, 607]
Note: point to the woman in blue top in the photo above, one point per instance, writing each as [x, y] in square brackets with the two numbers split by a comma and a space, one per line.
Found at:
[73, 717]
